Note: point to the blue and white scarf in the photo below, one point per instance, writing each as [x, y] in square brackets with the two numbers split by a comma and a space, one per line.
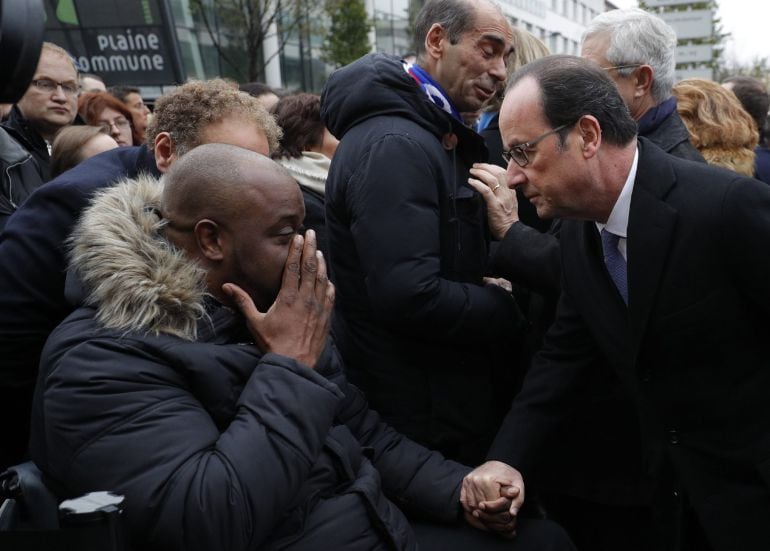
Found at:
[432, 89]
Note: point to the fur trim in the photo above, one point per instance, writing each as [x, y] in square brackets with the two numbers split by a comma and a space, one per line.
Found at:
[136, 279]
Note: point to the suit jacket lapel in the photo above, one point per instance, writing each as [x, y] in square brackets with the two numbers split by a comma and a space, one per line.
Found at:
[651, 227]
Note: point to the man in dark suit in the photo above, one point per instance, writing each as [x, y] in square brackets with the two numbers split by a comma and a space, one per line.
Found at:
[665, 278]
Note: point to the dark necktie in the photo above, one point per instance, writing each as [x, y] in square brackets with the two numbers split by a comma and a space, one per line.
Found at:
[616, 264]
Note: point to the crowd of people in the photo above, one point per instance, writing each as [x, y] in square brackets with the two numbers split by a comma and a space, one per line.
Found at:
[481, 298]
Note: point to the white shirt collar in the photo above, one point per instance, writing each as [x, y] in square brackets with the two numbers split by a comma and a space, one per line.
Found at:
[617, 223]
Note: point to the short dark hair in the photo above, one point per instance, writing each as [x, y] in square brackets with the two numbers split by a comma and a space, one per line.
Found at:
[120, 91]
[256, 89]
[455, 16]
[755, 100]
[299, 116]
[571, 87]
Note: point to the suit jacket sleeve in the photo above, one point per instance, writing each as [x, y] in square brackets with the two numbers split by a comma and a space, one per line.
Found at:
[549, 389]
[529, 258]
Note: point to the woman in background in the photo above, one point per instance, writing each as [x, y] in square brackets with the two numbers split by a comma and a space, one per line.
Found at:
[105, 110]
[75, 144]
[719, 127]
[306, 150]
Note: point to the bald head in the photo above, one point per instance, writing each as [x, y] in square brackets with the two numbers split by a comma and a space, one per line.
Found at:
[236, 213]
[213, 180]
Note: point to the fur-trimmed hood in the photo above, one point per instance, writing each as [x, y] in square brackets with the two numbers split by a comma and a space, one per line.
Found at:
[136, 280]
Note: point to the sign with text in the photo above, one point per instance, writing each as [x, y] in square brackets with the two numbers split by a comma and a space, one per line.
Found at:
[659, 3]
[123, 41]
[689, 24]
[701, 72]
[694, 53]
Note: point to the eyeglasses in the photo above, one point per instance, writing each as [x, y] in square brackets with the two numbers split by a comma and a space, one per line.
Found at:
[50, 86]
[629, 66]
[120, 124]
[518, 153]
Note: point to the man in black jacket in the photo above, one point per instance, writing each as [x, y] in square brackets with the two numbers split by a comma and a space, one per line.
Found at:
[32, 246]
[664, 279]
[593, 471]
[49, 104]
[228, 431]
[19, 174]
[432, 346]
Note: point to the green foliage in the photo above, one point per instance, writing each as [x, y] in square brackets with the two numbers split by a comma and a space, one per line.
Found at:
[347, 38]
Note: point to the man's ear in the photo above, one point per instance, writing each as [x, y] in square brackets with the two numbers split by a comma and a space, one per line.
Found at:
[434, 41]
[165, 151]
[643, 76]
[210, 240]
[590, 135]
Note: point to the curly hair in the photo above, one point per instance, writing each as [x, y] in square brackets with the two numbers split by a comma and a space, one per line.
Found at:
[299, 116]
[187, 110]
[91, 105]
[719, 127]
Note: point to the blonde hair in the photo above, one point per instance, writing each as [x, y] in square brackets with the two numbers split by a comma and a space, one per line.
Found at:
[719, 127]
[526, 48]
[186, 111]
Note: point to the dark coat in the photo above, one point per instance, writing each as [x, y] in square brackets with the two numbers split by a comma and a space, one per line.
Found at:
[596, 454]
[19, 176]
[18, 127]
[691, 349]
[315, 217]
[214, 445]
[408, 242]
[671, 136]
[762, 164]
[32, 277]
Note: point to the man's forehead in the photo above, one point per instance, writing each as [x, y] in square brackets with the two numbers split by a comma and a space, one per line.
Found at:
[521, 111]
[55, 61]
[490, 24]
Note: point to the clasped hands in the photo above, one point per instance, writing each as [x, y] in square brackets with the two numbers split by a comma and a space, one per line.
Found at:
[491, 497]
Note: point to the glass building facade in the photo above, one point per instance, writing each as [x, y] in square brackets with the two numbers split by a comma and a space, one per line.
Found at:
[289, 55]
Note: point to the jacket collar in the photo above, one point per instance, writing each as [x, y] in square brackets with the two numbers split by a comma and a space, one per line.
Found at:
[20, 128]
[136, 279]
[11, 152]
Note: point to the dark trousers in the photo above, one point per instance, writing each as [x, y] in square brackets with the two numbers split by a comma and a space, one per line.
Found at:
[671, 526]
[531, 535]
[600, 527]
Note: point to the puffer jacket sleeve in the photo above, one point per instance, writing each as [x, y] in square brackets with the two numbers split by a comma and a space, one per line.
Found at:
[419, 480]
[394, 200]
[138, 430]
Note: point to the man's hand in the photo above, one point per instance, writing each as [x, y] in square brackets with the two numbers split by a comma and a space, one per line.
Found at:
[502, 206]
[297, 324]
[499, 282]
[491, 497]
